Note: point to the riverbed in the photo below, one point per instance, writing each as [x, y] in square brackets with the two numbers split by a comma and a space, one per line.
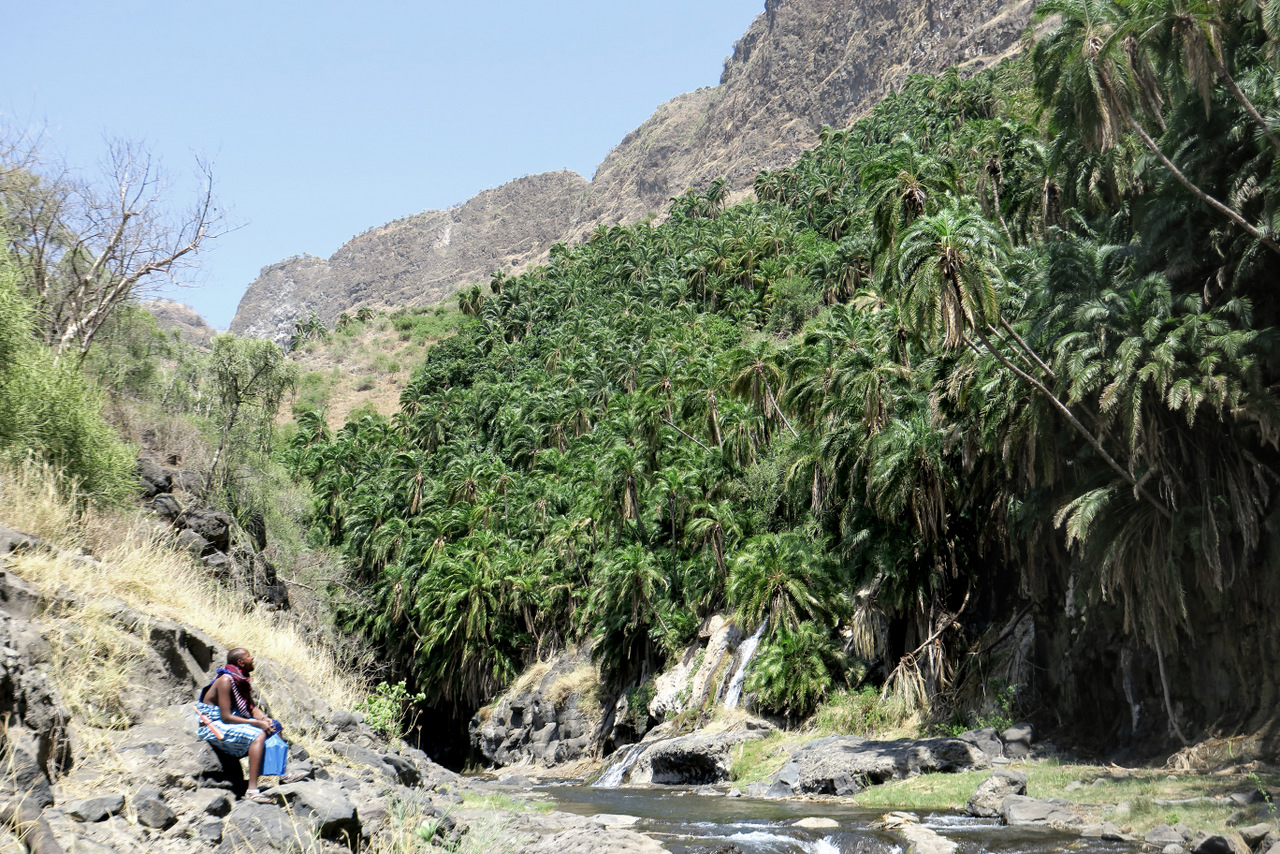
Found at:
[689, 821]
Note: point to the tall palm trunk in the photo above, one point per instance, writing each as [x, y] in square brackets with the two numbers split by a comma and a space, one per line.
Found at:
[1075, 422]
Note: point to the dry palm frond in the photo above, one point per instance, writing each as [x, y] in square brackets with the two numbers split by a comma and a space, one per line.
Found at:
[906, 686]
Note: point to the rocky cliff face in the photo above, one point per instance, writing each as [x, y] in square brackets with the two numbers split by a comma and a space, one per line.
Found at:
[186, 321]
[802, 64]
[418, 260]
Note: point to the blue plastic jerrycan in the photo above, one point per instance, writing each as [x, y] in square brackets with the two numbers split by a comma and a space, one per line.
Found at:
[275, 756]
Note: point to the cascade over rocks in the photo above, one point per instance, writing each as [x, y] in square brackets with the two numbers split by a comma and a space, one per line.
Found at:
[697, 759]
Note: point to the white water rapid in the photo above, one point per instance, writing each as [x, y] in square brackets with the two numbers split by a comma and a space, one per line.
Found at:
[612, 776]
[746, 651]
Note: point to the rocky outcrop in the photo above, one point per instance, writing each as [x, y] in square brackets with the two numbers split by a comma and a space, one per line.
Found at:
[549, 722]
[183, 319]
[801, 65]
[418, 260]
[175, 496]
[844, 765]
[160, 789]
[986, 800]
[1052, 812]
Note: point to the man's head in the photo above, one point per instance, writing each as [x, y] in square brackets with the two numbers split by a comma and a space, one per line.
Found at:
[241, 658]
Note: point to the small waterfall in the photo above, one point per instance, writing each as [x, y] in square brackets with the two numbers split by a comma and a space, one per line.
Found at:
[747, 650]
[617, 770]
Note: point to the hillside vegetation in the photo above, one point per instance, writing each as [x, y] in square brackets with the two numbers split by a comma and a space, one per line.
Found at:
[999, 355]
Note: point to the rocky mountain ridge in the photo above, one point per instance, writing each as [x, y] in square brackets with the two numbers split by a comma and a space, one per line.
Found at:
[801, 65]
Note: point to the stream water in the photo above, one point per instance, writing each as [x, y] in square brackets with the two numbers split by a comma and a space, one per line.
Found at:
[686, 822]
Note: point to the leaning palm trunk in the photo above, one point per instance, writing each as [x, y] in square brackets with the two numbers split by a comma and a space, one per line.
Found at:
[1242, 98]
[1075, 422]
[1230, 213]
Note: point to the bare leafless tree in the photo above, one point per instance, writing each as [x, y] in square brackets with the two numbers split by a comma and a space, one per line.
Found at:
[85, 247]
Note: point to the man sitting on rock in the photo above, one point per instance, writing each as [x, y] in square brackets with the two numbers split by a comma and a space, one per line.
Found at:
[232, 722]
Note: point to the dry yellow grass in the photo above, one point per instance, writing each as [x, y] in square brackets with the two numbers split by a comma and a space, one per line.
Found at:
[584, 682]
[531, 677]
[139, 567]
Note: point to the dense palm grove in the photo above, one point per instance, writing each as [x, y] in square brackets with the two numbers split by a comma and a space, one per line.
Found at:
[1004, 346]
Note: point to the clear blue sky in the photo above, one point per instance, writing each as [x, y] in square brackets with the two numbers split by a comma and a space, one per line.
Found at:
[324, 119]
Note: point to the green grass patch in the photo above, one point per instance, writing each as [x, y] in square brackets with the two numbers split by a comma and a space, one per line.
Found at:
[500, 801]
[755, 760]
[312, 393]
[422, 325]
[858, 713]
[1145, 796]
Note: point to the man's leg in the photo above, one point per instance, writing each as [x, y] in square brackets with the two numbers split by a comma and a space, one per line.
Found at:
[255, 760]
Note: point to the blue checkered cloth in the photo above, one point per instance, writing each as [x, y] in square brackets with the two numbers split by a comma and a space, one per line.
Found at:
[236, 738]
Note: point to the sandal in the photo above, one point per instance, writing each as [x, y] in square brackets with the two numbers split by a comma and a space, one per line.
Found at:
[258, 797]
[295, 777]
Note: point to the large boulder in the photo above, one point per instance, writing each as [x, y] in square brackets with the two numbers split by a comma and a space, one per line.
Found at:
[843, 765]
[263, 828]
[986, 800]
[1017, 740]
[325, 805]
[213, 525]
[986, 739]
[35, 743]
[168, 755]
[154, 478]
[695, 759]
[1054, 812]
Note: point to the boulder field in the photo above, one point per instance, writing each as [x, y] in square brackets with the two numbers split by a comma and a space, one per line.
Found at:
[155, 787]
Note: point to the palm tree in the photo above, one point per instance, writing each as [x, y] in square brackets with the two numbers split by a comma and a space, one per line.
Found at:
[796, 670]
[624, 607]
[948, 266]
[1084, 72]
[755, 375]
[1188, 36]
[782, 578]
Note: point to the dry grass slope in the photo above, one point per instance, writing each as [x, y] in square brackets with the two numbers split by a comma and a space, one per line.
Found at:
[136, 566]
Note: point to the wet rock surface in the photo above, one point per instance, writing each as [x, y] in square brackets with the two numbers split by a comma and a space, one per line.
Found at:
[690, 760]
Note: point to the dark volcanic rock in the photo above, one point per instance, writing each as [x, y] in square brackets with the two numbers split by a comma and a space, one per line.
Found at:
[690, 760]
[95, 809]
[1019, 809]
[841, 765]
[990, 794]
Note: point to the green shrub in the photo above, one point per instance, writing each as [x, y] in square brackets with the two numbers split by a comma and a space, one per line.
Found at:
[384, 709]
[858, 713]
[795, 671]
[49, 410]
[313, 392]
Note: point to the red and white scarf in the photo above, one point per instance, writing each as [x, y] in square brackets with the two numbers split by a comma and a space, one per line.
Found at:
[241, 690]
